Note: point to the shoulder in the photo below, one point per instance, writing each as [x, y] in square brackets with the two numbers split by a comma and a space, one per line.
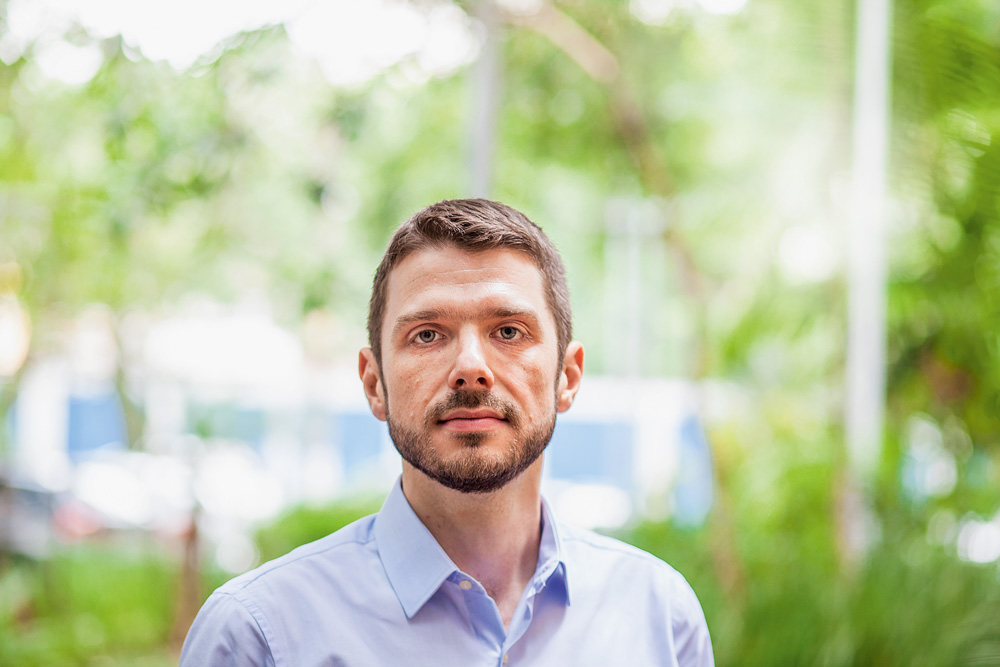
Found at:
[249, 616]
[606, 567]
[600, 548]
[347, 544]
[225, 632]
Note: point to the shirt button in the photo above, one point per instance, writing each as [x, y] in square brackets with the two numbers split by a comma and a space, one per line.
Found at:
[505, 657]
[465, 584]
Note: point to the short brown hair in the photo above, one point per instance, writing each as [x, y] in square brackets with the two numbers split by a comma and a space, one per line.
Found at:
[476, 225]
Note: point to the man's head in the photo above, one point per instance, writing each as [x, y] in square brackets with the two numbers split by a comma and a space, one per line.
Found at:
[474, 225]
[467, 347]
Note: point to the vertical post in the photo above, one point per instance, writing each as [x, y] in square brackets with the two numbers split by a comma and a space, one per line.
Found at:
[633, 271]
[487, 76]
[866, 355]
[633, 227]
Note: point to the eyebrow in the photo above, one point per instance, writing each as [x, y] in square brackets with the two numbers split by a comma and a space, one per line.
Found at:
[432, 314]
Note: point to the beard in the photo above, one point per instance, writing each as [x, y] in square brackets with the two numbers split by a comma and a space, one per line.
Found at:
[473, 469]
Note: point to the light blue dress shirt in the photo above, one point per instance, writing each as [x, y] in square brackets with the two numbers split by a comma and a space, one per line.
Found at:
[381, 591]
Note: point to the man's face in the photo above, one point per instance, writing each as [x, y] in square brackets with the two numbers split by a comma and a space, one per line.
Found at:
[470, 381]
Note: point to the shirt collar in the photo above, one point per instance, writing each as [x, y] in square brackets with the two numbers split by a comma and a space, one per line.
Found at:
[414, 562]
[416, 565]
[551, 554]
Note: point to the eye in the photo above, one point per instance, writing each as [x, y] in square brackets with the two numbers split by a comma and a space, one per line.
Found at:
[427, 336]
[509, 332]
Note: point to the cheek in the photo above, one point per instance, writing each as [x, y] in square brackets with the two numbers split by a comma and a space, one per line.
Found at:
[536, 381]
[410, 387]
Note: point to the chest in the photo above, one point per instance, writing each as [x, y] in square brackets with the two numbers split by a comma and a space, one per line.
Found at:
[466, 630]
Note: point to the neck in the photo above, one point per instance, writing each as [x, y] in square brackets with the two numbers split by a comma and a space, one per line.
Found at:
[493, 537]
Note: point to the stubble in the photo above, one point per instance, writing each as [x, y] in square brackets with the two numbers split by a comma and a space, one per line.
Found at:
[474, 468]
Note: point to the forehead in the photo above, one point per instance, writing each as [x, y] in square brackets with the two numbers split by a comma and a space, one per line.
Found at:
[455, 278]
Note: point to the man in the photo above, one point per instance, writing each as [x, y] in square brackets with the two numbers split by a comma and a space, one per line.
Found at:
[470, 359]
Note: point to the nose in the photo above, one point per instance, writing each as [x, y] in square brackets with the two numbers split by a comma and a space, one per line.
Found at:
[470, 370]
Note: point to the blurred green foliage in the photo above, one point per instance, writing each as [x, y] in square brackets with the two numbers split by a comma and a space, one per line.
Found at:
[90, 605]
[908, 603]
[249, 173]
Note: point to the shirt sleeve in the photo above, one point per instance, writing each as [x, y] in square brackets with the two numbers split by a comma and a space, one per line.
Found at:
[691, 639]
[225, 634]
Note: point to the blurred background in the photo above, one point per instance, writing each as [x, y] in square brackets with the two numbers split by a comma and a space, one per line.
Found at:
[781, 222]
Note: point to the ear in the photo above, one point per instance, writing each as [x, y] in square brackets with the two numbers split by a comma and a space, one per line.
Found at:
[371, 380]
[570, 376]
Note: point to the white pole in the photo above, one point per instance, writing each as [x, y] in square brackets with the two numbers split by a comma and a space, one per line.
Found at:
[866, 356]
[487, 79]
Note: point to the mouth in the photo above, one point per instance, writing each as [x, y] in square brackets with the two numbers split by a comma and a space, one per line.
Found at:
[466, 421]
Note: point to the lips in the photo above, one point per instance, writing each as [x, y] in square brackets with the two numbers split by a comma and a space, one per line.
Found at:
[479, 413]
[464, 411]
[482, 419]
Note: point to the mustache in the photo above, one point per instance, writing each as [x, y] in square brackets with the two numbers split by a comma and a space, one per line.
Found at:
[474, 399]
